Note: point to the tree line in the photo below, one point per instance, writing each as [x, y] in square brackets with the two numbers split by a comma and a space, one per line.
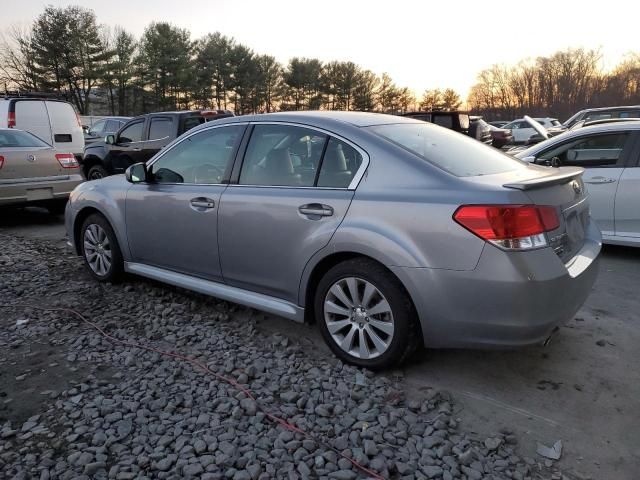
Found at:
[107, 70]
[557, 85]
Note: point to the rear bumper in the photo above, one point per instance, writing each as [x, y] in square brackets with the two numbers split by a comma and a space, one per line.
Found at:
[509, 299]
[25, 191]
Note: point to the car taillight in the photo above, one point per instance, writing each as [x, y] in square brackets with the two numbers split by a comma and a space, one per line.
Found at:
[67, 160]
[11, 120]
[512, 227]
[1, 161]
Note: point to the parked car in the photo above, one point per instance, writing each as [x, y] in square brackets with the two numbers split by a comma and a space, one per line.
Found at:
[522, 130]
[629, 111]
[588, 123]
[480, 130]
[498, 123]
[500, 137]
[610, 155]
[103, 127]
[32, 172]
[388, 232]
[54, 121]
[137, 141]
[457, 121]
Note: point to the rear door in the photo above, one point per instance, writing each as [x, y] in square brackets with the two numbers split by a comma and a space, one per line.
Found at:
[627, 203]
[603, 156]
[161, 131]
[32, 116]
[285, 201]
[67, 132]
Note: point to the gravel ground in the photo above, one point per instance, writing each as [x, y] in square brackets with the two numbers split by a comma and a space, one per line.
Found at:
[74, 404]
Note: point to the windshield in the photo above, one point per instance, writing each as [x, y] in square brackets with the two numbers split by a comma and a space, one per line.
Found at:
[453, 152]
[18, 138]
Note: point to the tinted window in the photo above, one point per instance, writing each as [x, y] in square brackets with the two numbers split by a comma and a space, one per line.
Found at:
[189, 122]
[113, 126]
[98, 127]
[457, 154]
[202, 158]
[339, 165]
[17, 138]
[132, 133]
[282, 155]
[443, 121]
[629, 114]
[598, 116]
[160, 128]
[594, 151]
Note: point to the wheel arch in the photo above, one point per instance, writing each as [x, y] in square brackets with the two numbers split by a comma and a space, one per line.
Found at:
[79, 220]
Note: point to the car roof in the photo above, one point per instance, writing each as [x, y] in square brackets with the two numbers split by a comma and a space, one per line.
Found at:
[607, 109]
[357, 119]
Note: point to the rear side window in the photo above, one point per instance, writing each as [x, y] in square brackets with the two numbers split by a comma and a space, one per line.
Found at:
[132, 133]
[443, 121]
[160, 128]
[17, 138]
[339, 165]
[457, 154]
[189, 122]
[282, 155]
[594, 151]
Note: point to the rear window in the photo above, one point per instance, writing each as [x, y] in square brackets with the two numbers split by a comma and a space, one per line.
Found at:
[17, 138]
[457, 154]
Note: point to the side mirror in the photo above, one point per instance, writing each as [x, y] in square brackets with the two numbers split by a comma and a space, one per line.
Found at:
[110, 139]
[136, 173]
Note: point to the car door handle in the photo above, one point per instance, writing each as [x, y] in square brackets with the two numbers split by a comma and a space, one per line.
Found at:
[316, 209]
[599, 180]
[137, 149]
[202, 202]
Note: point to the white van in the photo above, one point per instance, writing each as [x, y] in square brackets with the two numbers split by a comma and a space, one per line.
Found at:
[54, 121]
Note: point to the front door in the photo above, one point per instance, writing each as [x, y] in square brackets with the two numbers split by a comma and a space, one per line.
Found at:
[293, 190]
[127, 149]
[627, 207]
[172, 220]
[603, 156]
[161, 131]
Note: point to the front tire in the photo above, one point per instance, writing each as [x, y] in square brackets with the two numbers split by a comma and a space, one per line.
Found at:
[365, 315]
[96, 172]
[100, 249]
[56, 207]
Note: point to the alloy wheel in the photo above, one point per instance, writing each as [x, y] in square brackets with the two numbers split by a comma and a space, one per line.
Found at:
[358, 318]
[97, 249]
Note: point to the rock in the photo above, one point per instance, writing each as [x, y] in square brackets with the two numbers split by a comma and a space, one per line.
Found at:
[492, 443]
[249, 406]
[553, 453]
[91, 468]
[343, 474]
[432, 471]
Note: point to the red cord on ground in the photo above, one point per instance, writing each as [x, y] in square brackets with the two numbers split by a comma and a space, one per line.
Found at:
[274, 418]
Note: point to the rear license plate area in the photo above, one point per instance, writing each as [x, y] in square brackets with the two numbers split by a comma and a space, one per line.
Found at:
[39, 194]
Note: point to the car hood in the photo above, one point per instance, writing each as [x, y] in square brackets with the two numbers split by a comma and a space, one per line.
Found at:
[537, 126]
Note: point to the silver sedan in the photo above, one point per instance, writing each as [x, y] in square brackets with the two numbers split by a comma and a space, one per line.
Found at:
[387, 232]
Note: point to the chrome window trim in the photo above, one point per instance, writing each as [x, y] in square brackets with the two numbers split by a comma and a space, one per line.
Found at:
[181, 139]
[354, 181]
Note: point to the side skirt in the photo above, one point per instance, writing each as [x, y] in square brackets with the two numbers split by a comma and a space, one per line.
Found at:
[258, 301]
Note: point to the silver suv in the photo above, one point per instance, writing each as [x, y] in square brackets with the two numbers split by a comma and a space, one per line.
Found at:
[387, 232]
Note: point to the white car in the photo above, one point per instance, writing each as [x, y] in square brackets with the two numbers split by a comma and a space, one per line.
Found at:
[54, 121]
[610, 155]
[522, 130]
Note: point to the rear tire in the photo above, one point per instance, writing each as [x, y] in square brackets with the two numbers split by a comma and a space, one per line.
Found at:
[57, 207]
[96, 172]
[375, 330]
[100, 249]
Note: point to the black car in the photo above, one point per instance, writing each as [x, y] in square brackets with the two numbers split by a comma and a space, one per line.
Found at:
[103, 127]
[137, 141]
[628, 111]
[458, 121]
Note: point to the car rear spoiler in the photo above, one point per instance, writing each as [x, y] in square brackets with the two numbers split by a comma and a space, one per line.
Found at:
[557, 176]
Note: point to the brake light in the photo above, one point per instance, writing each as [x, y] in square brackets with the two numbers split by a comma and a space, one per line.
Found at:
[513, 227]
[67, 160]
[1, 161]
[11, 120]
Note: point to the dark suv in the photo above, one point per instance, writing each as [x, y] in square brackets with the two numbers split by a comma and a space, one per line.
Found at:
[458, 121]
[137, 141]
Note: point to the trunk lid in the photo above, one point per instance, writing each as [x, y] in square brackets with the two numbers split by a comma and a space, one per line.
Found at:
[29, 162]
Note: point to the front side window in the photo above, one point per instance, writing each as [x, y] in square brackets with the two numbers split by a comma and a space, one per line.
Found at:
[202, 158]
[457, 154]
[113, 126]
[160, 128]
[132, 133]
[339, 165]
[594, 151]
[17, 138]
[282, 155]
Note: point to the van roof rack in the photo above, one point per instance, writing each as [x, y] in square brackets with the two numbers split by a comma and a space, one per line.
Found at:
[22, 94]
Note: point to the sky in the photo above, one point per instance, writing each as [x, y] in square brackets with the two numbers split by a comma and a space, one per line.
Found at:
[420, 44]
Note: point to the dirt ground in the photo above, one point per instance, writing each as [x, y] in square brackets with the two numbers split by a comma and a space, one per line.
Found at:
[583, 388]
